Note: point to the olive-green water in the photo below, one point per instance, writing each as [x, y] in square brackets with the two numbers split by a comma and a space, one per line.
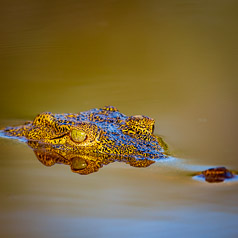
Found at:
[175, 61]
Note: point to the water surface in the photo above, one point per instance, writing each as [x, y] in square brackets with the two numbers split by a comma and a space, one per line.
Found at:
[173, 61]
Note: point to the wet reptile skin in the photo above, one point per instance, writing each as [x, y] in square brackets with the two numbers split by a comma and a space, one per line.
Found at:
[108, 132]
[78, 162]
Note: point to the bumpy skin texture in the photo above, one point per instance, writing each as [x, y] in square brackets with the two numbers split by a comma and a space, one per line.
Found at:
[80, 163]
[107, 132]
[216, 175]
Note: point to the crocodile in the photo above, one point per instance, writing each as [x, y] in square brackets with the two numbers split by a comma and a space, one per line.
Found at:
[88, 140]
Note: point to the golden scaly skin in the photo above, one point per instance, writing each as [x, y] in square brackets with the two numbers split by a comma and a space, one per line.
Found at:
[216, 175]
[98, 131]
[88, 140]
[80, 163]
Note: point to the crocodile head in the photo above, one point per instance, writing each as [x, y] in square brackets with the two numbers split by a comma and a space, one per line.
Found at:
[98, 131]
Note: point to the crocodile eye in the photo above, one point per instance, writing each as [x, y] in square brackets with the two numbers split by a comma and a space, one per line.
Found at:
[78, 135]
[78, 163]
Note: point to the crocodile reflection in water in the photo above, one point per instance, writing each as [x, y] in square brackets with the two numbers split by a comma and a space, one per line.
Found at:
[88, 140]
[86, 164]
[79, 163]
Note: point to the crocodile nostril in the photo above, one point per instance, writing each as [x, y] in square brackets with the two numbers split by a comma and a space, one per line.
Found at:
[78, 135]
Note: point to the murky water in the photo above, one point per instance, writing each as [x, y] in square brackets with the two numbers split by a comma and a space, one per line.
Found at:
[175, 61]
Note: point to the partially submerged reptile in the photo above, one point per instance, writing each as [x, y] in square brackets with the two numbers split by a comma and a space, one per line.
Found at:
[88, 140]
